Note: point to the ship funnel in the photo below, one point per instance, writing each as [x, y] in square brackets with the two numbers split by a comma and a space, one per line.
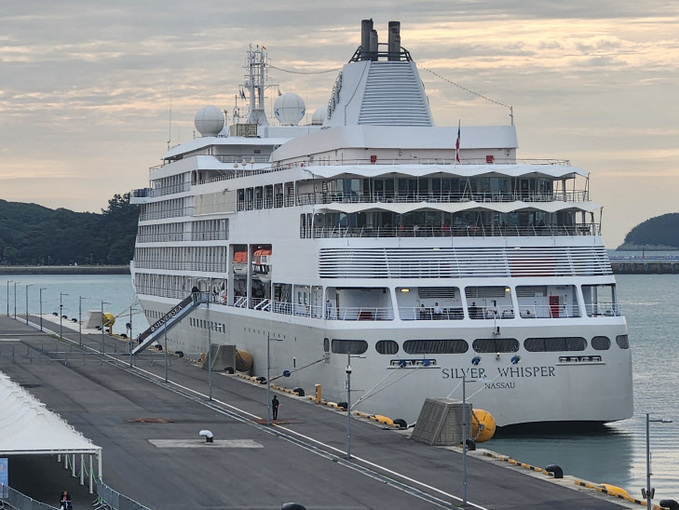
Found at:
[366, 30]
[394, 40]
[373, 45]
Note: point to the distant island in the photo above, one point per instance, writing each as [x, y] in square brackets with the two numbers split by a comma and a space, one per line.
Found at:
[658, 233]
[33, 235]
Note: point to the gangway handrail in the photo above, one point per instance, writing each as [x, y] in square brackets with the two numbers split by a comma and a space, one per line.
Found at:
[170, 319]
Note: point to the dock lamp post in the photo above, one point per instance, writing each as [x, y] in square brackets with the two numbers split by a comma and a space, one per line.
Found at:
[269, 339]
[61, 314]
[465, 426]
[8, 282]
[648, 492]
[80, 319]
[40, 310]
[27, 285]
[103, 327]
[15, 300]
[348, 371]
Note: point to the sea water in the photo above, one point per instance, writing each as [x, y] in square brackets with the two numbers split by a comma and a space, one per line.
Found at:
[616, 456]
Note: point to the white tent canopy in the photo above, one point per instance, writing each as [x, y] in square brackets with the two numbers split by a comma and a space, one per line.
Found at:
[27, 427]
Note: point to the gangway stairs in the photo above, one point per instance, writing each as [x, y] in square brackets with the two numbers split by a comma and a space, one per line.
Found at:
[169, 320]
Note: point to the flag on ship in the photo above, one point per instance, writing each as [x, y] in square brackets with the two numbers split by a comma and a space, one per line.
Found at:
[457, 143]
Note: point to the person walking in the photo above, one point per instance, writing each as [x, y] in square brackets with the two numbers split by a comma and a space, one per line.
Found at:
[65, 501]
[274, 407]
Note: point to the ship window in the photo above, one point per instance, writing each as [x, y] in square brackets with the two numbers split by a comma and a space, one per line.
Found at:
[326, 345]
[495, 345]
[601, 343]
[555, 344]
[349, 346]
[622, 341]
[386, 347]
[435, 346]
[437, 292]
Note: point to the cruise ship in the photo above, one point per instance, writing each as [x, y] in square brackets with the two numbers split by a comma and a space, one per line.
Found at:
[431, 260]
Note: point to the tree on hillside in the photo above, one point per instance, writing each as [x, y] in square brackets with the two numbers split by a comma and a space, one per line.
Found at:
[33, 234]
[660, 230]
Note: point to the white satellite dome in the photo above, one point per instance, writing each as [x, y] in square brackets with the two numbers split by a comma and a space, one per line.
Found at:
[209, 121]
[319, 116]
[289, 109]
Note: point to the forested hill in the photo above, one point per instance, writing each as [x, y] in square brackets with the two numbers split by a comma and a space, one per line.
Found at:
[31, 234]
[661, 232]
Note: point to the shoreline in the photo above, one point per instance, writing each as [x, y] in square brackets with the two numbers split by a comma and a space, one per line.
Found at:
[10, 270]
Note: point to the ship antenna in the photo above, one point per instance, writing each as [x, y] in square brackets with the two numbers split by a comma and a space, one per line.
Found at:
[169, 120]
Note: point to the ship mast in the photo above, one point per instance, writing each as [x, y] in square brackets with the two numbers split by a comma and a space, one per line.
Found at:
[255, 83]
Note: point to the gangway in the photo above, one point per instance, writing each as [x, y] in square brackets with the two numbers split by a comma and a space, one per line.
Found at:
[169, 320]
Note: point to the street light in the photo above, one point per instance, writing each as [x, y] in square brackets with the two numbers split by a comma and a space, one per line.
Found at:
[348, 371]
[61, 313]
[648, 492]
[80, 319]
[102, 326]
[27, 285]
[41, 289]
[464, 431]
[15, 300]
[8, 282]
[268, 376]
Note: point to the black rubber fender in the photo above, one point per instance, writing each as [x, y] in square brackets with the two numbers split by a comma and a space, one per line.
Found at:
[555, 470]
[299, 391]
[402, 424]
[669, 503]
[229, 370]
[293, 506]
[471, 445]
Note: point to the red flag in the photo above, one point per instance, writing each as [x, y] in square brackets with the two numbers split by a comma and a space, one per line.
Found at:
[457, 143]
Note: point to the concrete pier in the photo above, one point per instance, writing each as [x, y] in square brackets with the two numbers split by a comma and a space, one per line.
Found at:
[153, 453]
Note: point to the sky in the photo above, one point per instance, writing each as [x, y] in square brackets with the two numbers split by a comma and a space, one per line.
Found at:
[91, 92]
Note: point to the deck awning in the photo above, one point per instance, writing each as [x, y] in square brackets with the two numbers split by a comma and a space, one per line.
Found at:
[28, 427]
[423, 170]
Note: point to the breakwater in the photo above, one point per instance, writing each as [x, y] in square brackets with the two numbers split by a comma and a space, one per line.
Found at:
[645, 266]
[64, 270]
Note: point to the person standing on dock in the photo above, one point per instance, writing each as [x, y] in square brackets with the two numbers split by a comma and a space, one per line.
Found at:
[65, 501]
[274, 407]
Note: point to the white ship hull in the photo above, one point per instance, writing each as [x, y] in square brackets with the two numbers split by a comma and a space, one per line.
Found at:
[539, 388]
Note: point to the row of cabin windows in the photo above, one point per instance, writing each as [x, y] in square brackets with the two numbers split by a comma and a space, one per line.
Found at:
[480, 345]
[219, 327]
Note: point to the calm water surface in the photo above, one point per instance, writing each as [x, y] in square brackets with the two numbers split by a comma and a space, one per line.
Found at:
[617, 456]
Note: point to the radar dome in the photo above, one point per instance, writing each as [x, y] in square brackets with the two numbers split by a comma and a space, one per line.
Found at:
[319, 116]
[289, 109]
[209, 121]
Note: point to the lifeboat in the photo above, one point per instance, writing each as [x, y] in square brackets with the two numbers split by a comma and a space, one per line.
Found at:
[240, 263]
[261, 264]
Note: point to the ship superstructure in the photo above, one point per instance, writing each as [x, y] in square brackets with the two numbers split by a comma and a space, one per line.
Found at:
[419, 254]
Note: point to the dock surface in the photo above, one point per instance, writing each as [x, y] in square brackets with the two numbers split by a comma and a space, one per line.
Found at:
[152, 451]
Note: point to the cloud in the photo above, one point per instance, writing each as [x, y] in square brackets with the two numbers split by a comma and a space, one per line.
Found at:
[88, 86]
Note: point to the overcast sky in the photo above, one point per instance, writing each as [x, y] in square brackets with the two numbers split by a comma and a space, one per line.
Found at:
[86, 87]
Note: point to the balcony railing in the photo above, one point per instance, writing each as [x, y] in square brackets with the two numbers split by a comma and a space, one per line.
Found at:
[581, 229]
[321, 198]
